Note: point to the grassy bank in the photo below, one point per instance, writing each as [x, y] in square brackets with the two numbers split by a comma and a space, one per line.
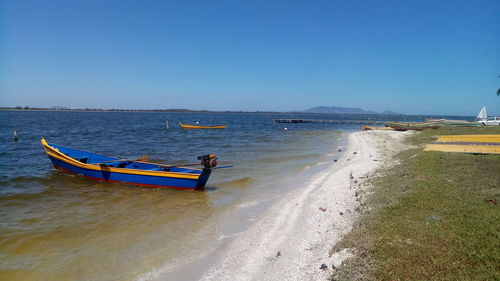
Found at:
[435, 216]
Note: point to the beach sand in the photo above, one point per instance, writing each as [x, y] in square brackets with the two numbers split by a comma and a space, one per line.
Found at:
[294, 238]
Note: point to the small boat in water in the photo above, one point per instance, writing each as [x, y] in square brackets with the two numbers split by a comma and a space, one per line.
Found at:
[197, 126]
[415, 126]
[132, 171]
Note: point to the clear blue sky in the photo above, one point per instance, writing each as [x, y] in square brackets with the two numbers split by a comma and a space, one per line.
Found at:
[414, 57]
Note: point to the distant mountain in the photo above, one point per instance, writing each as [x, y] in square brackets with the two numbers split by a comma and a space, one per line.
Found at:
[344, 110]
[337, 109]
[389, 112]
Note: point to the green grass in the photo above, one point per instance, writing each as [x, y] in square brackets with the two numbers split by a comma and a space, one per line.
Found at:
[436, 216]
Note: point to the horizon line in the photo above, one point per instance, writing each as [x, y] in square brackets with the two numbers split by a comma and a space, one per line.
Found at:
[182, 110]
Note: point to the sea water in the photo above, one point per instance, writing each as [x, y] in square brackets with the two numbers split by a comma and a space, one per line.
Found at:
[55, 226]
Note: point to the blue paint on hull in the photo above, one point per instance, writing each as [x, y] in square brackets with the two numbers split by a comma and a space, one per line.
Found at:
[135, 179]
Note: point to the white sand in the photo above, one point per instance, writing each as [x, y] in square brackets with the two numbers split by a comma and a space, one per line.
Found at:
[294, 237]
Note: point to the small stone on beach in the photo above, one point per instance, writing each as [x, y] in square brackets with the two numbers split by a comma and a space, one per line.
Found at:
[323, 267]
[341, 213]
[278, 254]
[322, 209]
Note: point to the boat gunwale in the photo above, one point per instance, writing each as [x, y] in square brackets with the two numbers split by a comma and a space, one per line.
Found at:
[53, 152]
[189, 126]
[416, 126]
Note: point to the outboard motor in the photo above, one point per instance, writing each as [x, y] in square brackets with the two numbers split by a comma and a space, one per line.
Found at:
[208, 160]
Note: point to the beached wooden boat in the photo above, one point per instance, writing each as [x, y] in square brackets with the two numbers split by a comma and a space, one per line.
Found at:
[416, 126]
[132, 171]
[369, 128]
[187, 126]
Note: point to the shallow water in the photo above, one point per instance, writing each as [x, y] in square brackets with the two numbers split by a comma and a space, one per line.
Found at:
[55, 226]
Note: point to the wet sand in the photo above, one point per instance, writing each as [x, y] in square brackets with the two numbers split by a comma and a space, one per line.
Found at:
[293, 239]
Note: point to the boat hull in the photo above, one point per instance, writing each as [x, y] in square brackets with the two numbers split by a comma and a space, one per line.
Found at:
[402, 126]
[187, 126]
[192, 181]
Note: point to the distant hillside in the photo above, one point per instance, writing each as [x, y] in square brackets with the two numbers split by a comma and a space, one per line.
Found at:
[389, 112]
[337, 109]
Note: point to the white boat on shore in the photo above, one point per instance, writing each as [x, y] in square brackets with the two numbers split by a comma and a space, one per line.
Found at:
[483, 118]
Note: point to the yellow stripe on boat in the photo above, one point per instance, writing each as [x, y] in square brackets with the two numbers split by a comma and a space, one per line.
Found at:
[63, 157]
[486, 149]
[187, 126]
[470, 138]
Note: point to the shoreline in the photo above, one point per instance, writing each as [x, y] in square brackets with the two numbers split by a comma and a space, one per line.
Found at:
[293, 239]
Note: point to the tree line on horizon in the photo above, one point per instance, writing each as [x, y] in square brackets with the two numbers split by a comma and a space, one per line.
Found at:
[60, 108]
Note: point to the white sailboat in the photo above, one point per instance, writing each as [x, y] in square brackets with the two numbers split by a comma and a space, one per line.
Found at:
[482, 118]
[482, 114]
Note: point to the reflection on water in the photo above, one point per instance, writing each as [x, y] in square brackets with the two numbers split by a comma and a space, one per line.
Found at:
[55, 226]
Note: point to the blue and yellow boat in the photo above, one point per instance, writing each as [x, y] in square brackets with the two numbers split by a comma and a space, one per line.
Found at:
[132, 171]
